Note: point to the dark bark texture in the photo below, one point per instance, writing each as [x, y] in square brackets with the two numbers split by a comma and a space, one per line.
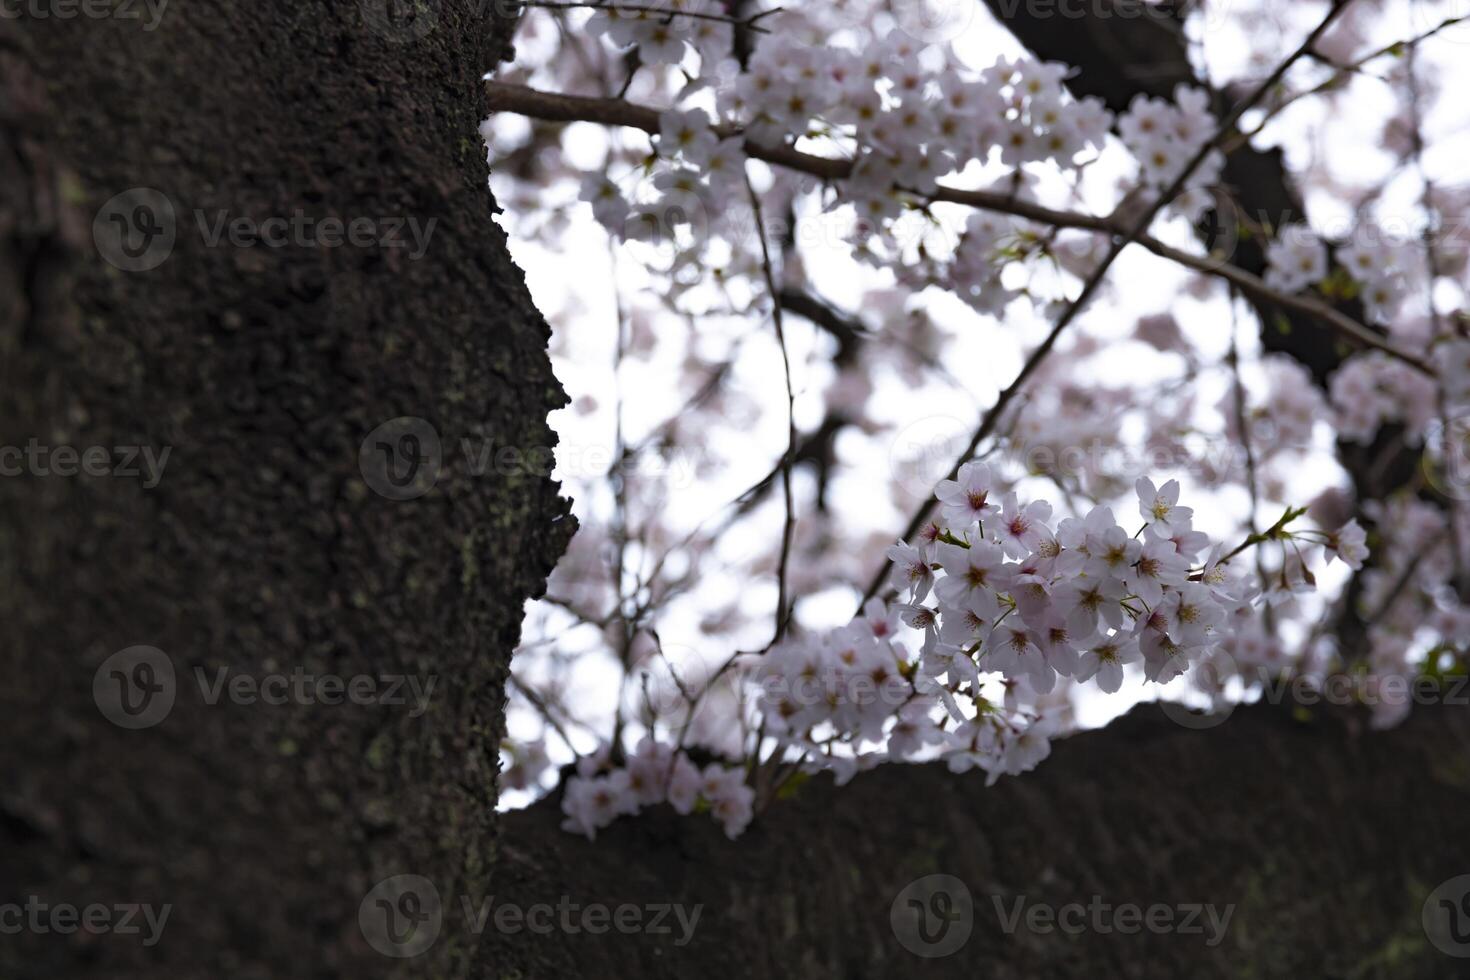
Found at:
[263, 548]
[1327, 840]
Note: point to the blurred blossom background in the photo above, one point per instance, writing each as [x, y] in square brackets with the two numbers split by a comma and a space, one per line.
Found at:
[672, 443]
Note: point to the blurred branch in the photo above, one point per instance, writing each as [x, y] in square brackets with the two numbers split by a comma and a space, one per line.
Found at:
[1339, 72]
[849, 334]
[783, 600]
[556, 107]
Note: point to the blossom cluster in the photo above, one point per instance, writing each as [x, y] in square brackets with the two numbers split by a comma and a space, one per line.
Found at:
[664, 32]
[992, 597]
[903, 126]
[1289, 414]
[1165, 137]
[1080, 601]
[994, 591]
[1299, 258]
[1295, 260]
[655, 773]
[1373, 389]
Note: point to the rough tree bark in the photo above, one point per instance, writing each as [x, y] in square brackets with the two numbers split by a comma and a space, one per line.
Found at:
[264, 548]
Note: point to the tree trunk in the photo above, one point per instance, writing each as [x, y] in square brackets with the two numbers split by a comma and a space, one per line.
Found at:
[1320, 841]
[266, 547]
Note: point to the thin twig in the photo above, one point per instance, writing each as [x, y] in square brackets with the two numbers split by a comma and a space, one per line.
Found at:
[541, 706]
[1241, 139]
[1242, 422]
[783, 612]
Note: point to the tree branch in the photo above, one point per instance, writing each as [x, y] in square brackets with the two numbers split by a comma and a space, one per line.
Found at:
[1144, 811]
[556, 107]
